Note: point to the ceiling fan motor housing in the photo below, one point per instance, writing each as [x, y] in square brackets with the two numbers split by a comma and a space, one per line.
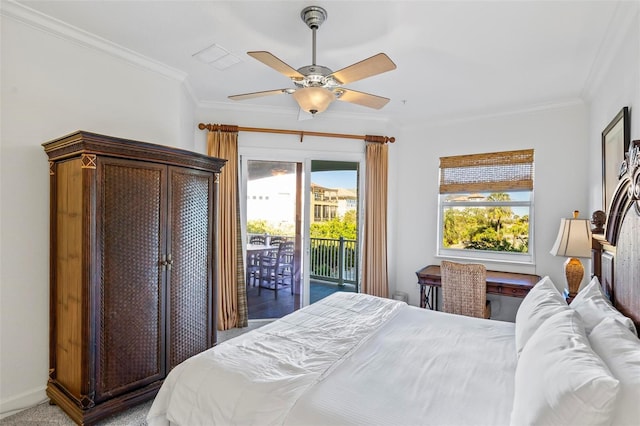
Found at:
[316, 76]
[313, 16]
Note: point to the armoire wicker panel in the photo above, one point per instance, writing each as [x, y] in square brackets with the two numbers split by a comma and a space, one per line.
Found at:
[190, 292]
[131, 241]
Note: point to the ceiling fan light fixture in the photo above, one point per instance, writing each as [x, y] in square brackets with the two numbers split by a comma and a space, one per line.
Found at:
[314, 99]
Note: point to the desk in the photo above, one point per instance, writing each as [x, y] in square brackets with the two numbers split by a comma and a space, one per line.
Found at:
[502, 283]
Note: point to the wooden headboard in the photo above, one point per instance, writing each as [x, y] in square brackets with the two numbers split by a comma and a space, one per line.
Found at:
[619, 250]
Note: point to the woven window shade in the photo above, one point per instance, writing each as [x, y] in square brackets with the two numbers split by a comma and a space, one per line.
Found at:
[492, 172]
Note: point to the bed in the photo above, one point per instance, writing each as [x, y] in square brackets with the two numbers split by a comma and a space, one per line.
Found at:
[353, 359]
[334, 362]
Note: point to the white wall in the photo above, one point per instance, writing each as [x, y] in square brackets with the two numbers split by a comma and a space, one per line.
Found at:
[567, 144]
[614, 85]
[558, 136]
[52, 87]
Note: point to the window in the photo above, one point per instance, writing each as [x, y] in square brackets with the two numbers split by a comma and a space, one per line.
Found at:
[486, 206]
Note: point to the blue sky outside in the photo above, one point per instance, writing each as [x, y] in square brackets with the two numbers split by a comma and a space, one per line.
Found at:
[347, 179]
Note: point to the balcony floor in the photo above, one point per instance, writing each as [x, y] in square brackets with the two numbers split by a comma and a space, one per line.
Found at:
[266, 306]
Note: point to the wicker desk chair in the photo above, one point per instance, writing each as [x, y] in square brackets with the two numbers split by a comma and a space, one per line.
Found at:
[464, 289]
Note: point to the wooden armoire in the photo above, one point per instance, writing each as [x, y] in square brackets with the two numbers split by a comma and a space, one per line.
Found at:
[132, 268]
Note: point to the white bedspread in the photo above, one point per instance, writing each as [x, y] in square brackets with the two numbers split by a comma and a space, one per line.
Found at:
[349, 359]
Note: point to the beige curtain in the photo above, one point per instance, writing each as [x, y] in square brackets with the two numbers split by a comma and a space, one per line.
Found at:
[375, 280]
[232, 292]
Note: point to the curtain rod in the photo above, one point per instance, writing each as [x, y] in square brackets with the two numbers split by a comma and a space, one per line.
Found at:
[368, 138]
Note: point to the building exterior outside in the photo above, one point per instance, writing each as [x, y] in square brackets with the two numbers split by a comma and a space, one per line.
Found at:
[324, 203]
[347, 200]
[272, 199]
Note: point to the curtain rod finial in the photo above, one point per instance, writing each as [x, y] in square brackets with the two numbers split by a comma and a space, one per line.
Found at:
[210, 127]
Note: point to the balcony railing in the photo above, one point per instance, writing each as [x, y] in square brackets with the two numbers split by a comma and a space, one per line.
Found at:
[333, 260]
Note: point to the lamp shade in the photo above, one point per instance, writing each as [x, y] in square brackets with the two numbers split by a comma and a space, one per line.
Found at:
[314, 99]
[574, 238]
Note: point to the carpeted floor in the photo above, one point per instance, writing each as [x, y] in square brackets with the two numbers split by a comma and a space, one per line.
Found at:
[45, 414]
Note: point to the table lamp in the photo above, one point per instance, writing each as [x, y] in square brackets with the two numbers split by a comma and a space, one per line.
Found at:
[574, 240]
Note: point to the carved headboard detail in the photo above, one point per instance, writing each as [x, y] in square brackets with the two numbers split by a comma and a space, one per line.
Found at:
[627, 192]
[623, 233]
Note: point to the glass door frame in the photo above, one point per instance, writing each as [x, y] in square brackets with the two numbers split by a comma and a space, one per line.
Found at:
[305, 157]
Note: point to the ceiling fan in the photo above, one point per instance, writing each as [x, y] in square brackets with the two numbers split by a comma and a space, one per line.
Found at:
[316, 86]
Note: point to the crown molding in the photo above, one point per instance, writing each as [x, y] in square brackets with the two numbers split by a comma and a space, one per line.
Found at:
[190, 91]
[50, 25]
[620, 24]
[60, 29]
[498, 113]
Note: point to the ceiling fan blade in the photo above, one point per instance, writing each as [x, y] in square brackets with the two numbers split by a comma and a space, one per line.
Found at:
[258, 94]
[374, 65]
[271, 61]
[361, 98]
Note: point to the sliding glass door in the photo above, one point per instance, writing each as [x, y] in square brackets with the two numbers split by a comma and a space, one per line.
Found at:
[311, 203]
[333, 228]
[273, 209]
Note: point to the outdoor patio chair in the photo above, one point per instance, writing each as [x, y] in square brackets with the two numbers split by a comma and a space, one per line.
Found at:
[277, 272]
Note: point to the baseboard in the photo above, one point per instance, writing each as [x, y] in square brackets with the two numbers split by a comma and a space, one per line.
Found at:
[260, 321]
[23, 401]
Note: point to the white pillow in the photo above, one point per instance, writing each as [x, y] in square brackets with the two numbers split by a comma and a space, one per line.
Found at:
[591, 290]
[619, 348]
[542, 301]
[560, 380]
[594, 306]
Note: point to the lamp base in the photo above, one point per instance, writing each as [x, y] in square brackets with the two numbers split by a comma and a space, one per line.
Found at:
[574, 271]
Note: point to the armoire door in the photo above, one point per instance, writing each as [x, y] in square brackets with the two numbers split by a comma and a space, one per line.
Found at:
[130, 240]
[190, 291]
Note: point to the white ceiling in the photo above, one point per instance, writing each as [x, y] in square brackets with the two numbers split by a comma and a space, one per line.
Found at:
[454, 58]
